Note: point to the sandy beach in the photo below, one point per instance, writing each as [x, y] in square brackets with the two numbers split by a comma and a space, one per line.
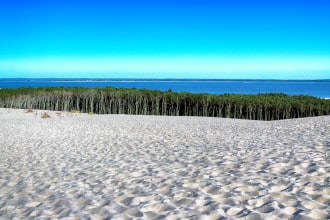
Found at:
[81, 166]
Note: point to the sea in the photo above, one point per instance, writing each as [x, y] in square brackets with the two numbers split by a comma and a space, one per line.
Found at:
[317, 88]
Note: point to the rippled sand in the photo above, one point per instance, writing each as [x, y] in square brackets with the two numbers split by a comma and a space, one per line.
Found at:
[79, 166]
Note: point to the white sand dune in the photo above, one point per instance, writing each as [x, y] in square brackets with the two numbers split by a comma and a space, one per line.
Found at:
[79, 166]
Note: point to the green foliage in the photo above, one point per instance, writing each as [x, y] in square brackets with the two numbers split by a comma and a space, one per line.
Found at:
[109, 100]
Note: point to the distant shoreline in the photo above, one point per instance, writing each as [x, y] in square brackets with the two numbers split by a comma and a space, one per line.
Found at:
[159, 79]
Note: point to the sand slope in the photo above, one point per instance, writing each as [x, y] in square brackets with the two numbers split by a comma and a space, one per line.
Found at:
[79, 166]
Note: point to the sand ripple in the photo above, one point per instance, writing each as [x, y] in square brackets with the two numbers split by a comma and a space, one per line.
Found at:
[154, 167]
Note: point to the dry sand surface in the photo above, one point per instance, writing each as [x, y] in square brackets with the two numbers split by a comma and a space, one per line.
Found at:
[80, 166]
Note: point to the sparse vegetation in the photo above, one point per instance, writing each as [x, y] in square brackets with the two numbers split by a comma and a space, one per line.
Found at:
[45, 115]
[110, 100]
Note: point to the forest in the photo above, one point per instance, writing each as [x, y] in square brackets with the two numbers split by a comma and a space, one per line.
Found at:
[109, 100]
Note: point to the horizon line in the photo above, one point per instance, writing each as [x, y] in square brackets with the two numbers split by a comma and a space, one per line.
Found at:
[155, 79]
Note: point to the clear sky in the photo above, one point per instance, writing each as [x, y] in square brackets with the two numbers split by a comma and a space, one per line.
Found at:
[265, 39]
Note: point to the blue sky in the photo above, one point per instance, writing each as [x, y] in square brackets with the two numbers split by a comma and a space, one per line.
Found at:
[271, 39]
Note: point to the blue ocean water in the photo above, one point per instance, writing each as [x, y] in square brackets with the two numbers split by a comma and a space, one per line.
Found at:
[317, 88]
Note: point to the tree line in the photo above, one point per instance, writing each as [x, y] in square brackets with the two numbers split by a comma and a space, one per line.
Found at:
[109, 100]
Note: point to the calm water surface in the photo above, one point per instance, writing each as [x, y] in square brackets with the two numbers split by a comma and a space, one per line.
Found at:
[318, 88]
